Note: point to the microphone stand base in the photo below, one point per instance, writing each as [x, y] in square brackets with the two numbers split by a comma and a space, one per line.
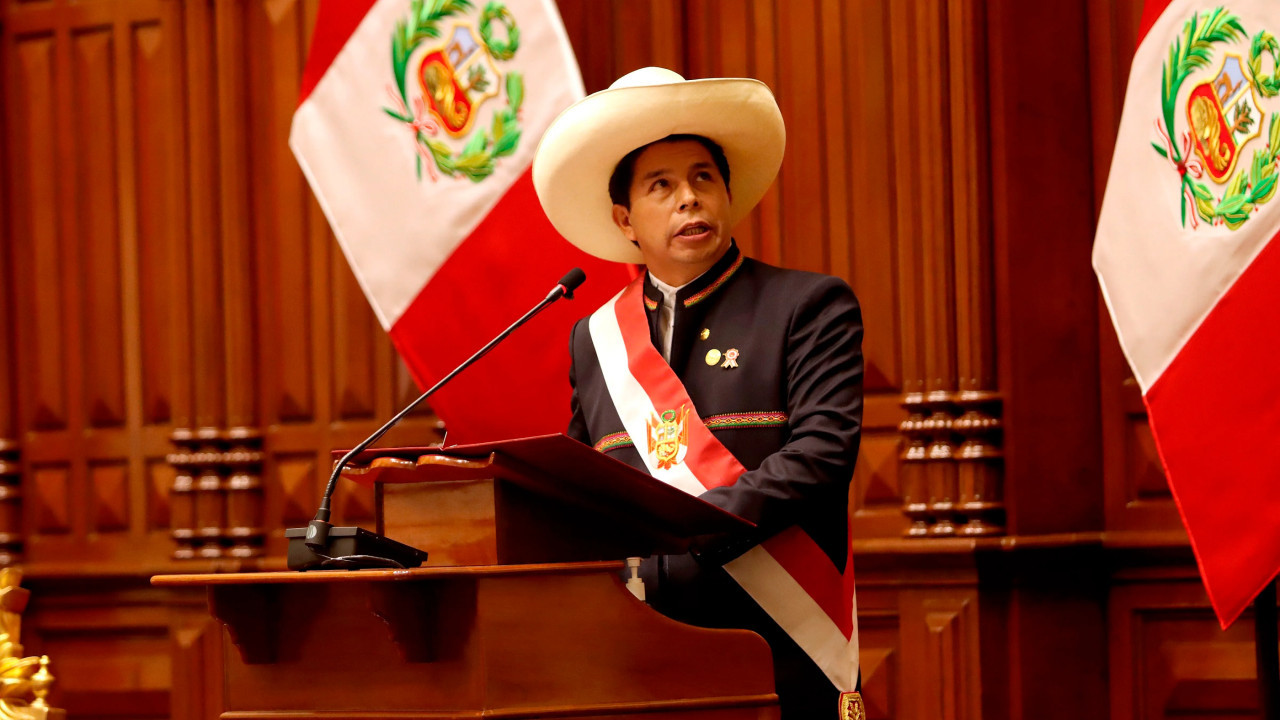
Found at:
[350, 548]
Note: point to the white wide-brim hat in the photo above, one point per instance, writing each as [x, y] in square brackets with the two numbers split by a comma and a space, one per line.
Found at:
[581, 148]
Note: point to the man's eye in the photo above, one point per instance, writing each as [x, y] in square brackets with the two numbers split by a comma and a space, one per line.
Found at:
[704, 175]
[658, 184]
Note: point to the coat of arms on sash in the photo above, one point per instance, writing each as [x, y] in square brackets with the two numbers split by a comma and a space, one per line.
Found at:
[1232, 102]
[851, 707]
[668, 436]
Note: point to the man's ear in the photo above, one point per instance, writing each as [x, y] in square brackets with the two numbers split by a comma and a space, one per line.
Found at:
[622, 218]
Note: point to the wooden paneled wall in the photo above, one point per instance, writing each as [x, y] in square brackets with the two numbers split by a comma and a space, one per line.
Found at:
[181, 343]
[183, 309]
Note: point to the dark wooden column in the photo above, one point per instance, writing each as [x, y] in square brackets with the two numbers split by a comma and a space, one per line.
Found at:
[976, 402]
[217, 490]
[950, 453]
[1048, 603]
[1046, 309]
[10, 446]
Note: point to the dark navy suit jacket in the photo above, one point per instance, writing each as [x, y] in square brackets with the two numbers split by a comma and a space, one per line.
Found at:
[790, 412]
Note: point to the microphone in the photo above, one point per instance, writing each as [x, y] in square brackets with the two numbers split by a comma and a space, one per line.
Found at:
[569, 283]
[317, 532]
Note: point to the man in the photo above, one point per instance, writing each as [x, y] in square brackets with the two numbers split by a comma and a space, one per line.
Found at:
[725, 377]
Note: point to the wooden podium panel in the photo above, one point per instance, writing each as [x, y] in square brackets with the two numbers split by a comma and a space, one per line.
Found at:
[523, 615]
[528, 641]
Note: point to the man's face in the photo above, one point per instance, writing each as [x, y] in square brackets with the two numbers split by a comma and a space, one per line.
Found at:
[679, 212]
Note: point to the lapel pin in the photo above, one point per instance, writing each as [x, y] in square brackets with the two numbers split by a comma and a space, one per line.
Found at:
[713, 356]
[730, 358]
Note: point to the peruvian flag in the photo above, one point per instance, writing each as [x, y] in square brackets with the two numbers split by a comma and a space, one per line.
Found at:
[1190, 269]
[416, 129]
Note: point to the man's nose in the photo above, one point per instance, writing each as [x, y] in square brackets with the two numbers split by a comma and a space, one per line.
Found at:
[688, 198]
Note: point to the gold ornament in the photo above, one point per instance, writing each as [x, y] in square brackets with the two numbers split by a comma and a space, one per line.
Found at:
[851, 707]
[24, 681]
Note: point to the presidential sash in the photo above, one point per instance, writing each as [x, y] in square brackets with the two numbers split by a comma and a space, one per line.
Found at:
[788, 575]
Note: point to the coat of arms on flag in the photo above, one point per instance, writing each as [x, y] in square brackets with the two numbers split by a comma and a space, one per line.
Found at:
[1224, 111]
[439, 94]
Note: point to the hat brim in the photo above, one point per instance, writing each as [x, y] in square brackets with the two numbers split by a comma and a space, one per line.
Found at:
[581, 148]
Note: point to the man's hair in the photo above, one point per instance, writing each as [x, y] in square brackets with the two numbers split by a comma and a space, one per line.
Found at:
[623, 174]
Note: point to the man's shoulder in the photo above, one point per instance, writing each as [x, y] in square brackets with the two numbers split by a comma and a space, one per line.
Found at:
[796, 284]
[581, 330]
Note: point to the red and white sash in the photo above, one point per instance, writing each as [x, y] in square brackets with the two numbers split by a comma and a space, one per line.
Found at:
[788, 575]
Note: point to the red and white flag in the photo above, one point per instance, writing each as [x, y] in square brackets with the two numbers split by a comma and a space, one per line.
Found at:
[1190, 269]
[416, 129]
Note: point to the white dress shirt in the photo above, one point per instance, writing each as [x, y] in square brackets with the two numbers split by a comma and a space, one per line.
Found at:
[666, 314]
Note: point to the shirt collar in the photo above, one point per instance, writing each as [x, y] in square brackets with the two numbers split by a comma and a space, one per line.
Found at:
[701, 287]
[668, 292]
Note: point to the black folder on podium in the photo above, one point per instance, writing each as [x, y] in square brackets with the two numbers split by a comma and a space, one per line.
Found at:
[539, 499]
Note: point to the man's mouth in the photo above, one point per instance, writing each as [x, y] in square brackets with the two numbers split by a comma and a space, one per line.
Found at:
[693, 230]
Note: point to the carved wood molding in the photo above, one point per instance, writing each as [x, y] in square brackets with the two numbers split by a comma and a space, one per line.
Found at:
[10, 503]
[217, 493]
[953, 464]
[980, 461]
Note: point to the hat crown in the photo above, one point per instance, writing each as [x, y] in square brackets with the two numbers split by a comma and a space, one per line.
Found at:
[647, 76]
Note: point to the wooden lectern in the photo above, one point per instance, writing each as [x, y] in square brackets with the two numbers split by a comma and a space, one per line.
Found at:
[520, 612]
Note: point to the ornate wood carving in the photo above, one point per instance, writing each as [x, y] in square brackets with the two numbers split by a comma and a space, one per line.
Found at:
[182, 497]
[980, 496]
[217, 494]
[940, 470]
[915, 483]
[244, 492]
[10, 503]
[952, 464]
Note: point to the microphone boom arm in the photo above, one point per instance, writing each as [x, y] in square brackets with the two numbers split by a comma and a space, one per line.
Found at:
[318, 529]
